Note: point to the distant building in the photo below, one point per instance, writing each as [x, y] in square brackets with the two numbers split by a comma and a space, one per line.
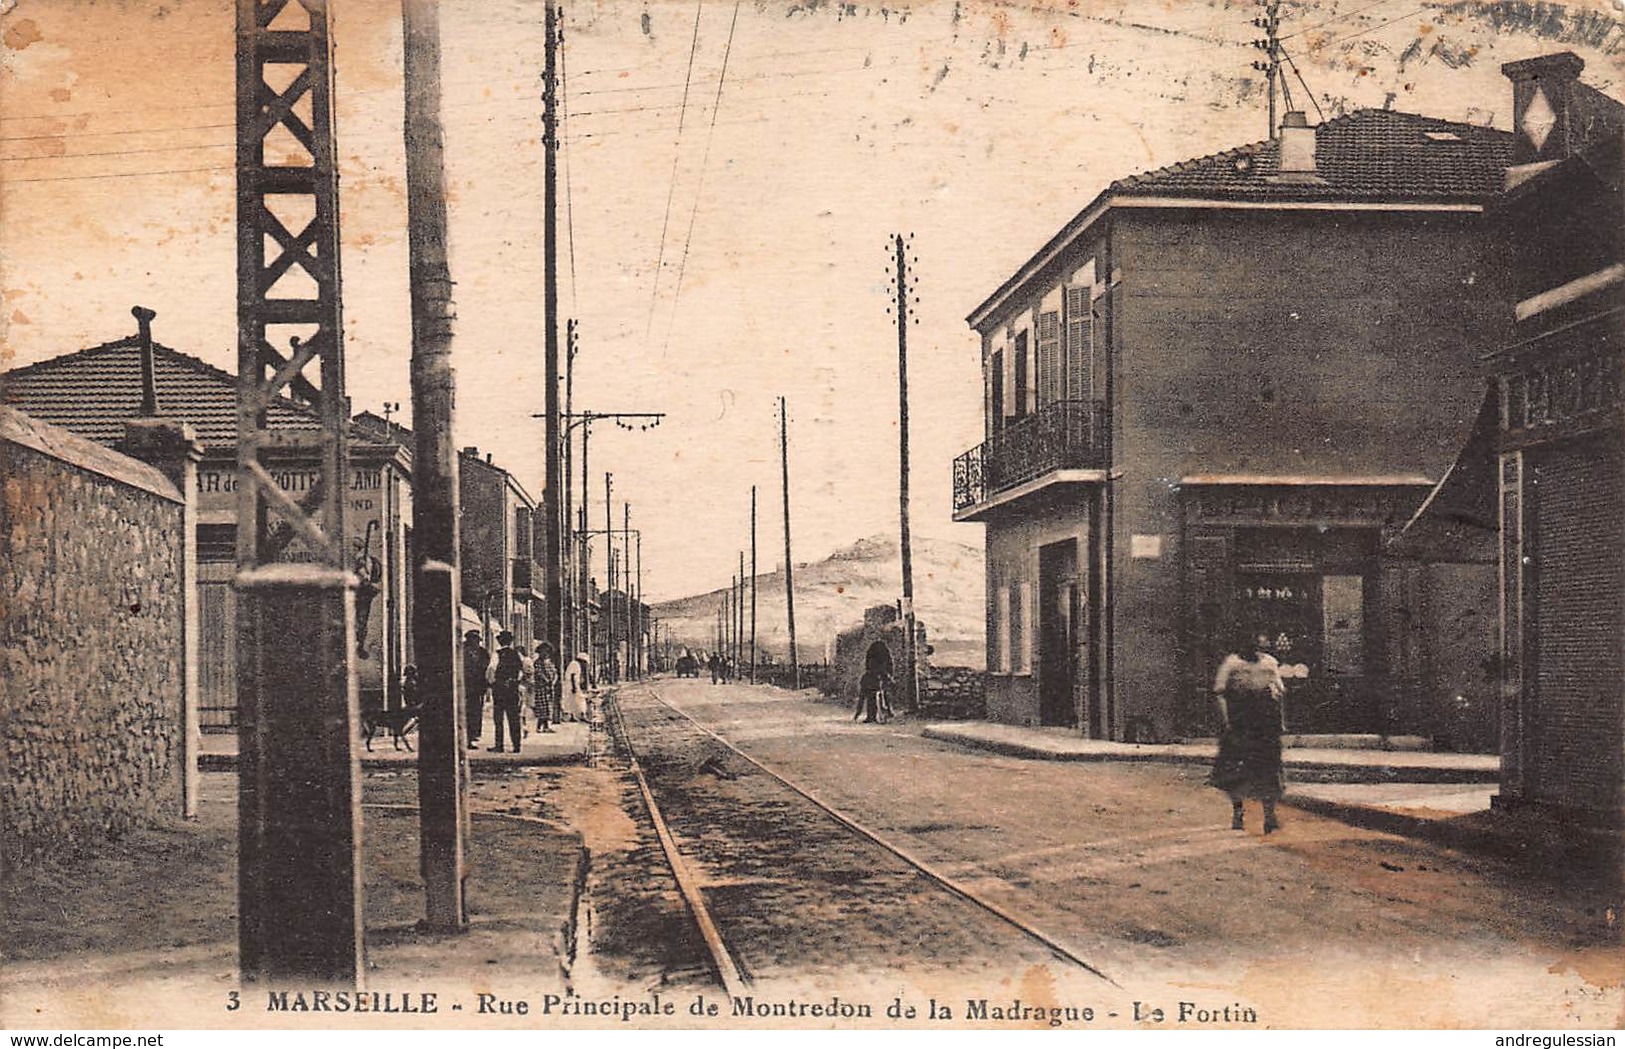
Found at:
[501, 548]
[1209, 400]
[93, 392]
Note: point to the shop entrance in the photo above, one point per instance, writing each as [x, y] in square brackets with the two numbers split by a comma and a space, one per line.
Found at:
[1060, 619]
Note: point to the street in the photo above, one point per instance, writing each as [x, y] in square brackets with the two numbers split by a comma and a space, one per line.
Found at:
[1132, 866]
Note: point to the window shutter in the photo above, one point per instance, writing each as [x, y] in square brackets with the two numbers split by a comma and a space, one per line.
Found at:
[1080, 344]
[1049, 357]
[1023, 383]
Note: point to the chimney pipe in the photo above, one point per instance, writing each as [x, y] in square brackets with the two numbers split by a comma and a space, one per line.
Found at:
[1297, 145]
[149, 377]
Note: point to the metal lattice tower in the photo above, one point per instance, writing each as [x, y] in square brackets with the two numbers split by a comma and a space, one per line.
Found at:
[299, 814]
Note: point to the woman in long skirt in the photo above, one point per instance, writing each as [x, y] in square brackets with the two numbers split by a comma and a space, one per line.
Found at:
[1248, 692]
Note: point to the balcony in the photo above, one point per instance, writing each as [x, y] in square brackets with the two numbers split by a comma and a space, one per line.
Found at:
[527, 577]
[1066, 435]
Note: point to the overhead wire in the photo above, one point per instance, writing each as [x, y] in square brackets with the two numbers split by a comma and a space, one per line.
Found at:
[699, 191]
[1372, 29]
[569, 186]
[1336, 18]
[1306, 89]
[671, 186]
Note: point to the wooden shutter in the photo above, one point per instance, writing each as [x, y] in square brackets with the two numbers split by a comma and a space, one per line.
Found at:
[1049, 357]
[1023, 381]
[1080, 344]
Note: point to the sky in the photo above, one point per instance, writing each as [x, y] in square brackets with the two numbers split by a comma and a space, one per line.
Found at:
[718, 252]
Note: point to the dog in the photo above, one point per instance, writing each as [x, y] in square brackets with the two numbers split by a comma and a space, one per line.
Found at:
[401, 723]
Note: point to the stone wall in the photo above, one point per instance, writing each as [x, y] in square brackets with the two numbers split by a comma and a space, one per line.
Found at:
[92, 621]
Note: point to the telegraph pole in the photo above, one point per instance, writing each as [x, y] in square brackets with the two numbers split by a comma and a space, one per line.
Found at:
[626, 582]
[753, 584]
[608, 611]
[639, 633]
[566, 524]
[442, 751]
[1270, 22]
[789, 566]
[910, 657]
[299, 902]
[550, 492]
[739, 610]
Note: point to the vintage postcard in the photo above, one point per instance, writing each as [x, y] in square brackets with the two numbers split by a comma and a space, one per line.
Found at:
[956, 515]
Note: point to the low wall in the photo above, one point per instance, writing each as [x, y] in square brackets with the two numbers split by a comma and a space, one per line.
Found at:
[92, 624]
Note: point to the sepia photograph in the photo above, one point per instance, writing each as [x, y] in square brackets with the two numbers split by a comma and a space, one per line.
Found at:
[900, 515]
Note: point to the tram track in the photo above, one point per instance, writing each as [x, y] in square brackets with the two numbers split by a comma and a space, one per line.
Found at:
[731, 962]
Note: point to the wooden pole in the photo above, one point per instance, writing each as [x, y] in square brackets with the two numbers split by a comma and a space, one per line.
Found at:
[910, 657]
[554, 563]
[789, 565]
[442, 781]
[753, 584]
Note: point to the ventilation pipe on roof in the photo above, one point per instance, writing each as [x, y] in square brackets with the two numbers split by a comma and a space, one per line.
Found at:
[1297, 145]
[149, 375]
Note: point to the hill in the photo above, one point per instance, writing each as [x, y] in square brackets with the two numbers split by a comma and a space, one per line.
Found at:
[831, 596]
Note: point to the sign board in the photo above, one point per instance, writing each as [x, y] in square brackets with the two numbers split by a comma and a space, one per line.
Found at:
[1145, 547]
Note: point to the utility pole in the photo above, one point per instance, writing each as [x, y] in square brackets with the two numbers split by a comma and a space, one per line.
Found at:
[626, 583]
[550, 295]
[789, 565]
[608, 611]
[641, 624]
[566, 525]
[904, 313]
[442, 750]
[753, 584]
[299, 900]
[1270, 22]
[739, 628]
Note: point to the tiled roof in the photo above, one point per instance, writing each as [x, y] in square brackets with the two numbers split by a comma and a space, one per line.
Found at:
[94, 392]
[1366, 155]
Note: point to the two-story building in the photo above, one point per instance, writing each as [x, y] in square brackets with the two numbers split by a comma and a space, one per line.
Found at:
[1208, 400]
[92, 393]
[1559, 448]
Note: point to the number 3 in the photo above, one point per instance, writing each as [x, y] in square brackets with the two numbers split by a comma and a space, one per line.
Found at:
[233, 1001]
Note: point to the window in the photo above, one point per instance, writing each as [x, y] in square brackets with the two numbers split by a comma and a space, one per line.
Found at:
[1048, 332]
[1080, 343]
[1023, 628]
[1023, 384]
[995, 395]
[1001, 630]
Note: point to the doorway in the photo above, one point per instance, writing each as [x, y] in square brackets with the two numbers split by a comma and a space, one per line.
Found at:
[1060, 622]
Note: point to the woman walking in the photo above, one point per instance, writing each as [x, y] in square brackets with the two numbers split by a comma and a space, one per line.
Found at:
[1248, 692]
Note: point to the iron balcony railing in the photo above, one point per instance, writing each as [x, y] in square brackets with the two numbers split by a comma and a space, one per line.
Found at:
[1060, 436]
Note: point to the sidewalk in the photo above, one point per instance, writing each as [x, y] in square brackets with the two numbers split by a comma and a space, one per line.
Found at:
[1441, 797]
[565, 745]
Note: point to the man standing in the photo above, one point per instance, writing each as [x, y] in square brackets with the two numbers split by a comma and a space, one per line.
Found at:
[508, 669]
[475, 662]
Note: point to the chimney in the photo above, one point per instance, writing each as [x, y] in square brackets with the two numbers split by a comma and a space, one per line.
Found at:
[149, 374]
[1542, 94]
[1297, 144]
[472, 451]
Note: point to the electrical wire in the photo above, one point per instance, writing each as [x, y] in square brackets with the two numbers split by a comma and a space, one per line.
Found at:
[671, 186]
[705, 158]
[569, 186]
[1373, 29]
[1337, 18]
[1306, 89]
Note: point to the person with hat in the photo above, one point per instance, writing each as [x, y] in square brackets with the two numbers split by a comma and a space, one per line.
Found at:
[476, 661]
[508, 670]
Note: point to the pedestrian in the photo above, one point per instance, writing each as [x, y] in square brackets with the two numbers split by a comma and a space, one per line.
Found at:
[574, 694]
[507, 671]
[475, 661]
[877, 678]
[714, 664]
[1248, 691]
[546, 699]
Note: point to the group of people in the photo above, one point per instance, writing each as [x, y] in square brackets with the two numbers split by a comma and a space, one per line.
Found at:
[723, 669]
[557, 694]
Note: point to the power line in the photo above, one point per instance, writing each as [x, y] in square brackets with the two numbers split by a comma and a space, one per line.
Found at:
[1337, 18]
[1306, 89]
[122, 152]
[121, 174]
[671, 186]
[569, 186]
[699, 191]
[1373, 29]
[125, 131]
